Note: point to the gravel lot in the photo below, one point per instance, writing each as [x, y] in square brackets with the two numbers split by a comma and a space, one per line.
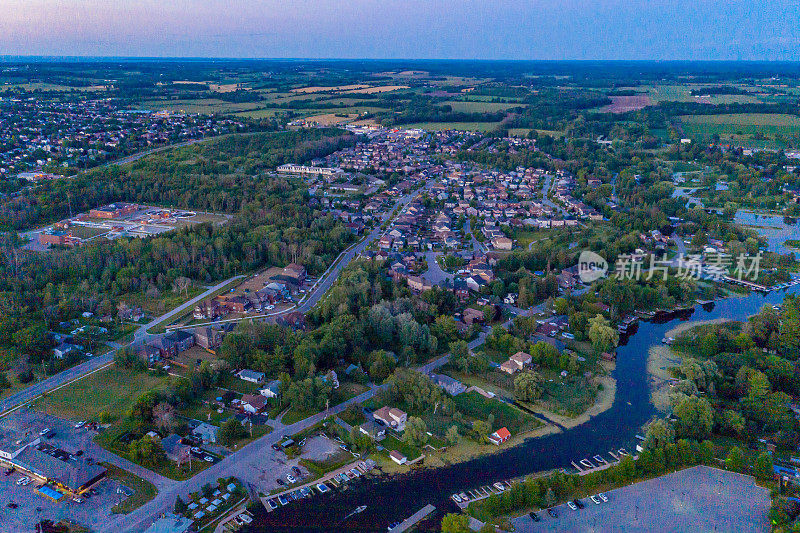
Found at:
[696, 499]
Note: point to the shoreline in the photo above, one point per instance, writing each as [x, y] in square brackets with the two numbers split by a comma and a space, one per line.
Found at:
[660, 359]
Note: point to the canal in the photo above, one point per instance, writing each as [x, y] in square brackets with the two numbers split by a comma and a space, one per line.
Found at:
[390, 499]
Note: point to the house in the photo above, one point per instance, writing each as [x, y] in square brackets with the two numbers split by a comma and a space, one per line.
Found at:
[499, 436]
[208, 337]
[398, 457]
[502, 243]
[175, 342]
[64, 349]
[251, 375]
[521, 359]
[450, 385]
[509, 367]
[296, 272]
[205, 431]
[374, 430]
[392, 417]
[471, 316]
[254, 403]
[149, 354]
[174, 447]
[272, 390]
[331, 378]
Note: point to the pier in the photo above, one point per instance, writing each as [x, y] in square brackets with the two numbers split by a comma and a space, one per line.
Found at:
[412, 520]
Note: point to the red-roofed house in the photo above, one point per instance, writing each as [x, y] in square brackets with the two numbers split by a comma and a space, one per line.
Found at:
[500, 436]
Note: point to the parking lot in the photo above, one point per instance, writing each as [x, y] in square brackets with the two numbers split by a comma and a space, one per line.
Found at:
[695, 499]
[32, 507]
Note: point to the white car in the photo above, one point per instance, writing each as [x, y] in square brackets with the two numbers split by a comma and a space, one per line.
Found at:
[270, 307]
[290, 478]
[245, 518]
[77, 499]
[572, 506]
[195, 449]
[80, 424]
[603, 497]
[208, 459]
[24, 480]
[595, 499]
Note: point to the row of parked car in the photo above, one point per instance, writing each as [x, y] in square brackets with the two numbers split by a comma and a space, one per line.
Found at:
[575, 504]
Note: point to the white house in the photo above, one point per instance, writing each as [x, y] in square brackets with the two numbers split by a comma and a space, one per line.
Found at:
[251, 375]
[272, 390]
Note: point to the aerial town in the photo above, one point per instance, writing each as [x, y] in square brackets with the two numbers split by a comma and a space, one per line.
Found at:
[394, 295]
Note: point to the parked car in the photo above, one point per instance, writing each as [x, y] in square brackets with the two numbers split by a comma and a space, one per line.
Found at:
[245, 518]
[552, 512]
[572, 506]
[535, 517]
[8, 471]
[272, 504]
[603, 497]
[276, 447]
[24, 480]
[579, 503]
[12, 505]
[595, 499]
[80, 424]
[290, 478]
[77, 499]
[297, 471]
[280, 482]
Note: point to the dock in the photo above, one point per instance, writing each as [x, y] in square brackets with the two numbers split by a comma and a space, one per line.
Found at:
[412, 520]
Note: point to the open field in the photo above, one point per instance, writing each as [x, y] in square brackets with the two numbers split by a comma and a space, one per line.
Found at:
[467, 126]
[204, 105]
[380, 89]
[623, 104]
[112, 389]
[758, 128]
[480, 107]
[317, 89]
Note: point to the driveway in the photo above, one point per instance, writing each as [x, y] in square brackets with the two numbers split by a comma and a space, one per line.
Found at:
[435, 274]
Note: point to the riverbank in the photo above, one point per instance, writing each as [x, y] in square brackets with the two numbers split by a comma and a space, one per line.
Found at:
[660, 359]
[603, 402]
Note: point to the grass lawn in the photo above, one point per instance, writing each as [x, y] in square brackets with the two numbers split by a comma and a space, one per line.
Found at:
[393, 443]
[476, 406]
[758, 128]
[234, 383]
[143, 490]
[353, 415]
[329, 464]
[111, 389]
[569, 397]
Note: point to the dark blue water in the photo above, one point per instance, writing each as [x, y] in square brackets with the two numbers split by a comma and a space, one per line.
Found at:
[774, 228]
[390, 499]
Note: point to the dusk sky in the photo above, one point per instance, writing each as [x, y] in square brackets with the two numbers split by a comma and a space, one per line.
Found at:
[464, 29]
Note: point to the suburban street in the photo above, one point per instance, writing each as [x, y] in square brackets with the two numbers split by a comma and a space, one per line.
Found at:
[53, 382]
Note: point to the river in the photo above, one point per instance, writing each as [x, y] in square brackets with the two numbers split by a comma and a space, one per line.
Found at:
[773, 228]
[390, 499]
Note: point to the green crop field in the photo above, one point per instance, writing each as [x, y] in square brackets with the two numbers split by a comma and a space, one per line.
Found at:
[480, 107]
[466, 126]
[744, 128]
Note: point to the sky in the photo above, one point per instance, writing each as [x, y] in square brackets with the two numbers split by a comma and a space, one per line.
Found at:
[759, 30]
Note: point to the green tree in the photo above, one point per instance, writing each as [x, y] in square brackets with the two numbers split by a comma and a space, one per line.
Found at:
[695, 418]
[230, 431]
[455, 523]
[602, 336]
[735, 460]
[526, 387]
[452, 435]
[180, 506]
[482, 428]
[763, 468]
[416, 432]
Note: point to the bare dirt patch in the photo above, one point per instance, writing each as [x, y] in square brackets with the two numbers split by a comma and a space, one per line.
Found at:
[623, 104]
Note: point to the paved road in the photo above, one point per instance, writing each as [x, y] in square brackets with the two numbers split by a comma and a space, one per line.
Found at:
[545, 200]
[477, 247]
[34, 391]
[435, 274]
[241, 464]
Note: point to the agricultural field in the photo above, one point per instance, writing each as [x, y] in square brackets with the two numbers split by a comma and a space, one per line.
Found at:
[207, 106]
[468, 126]
[462, 106]
[750, 128]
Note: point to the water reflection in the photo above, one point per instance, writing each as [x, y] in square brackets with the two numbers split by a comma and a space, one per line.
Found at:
[391, 499]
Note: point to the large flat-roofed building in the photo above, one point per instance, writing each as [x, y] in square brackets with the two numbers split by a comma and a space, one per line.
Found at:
[20, 442]
[113, 210]
[305, 170]
[74, 475]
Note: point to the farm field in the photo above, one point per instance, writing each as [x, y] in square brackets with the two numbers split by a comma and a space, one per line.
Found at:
[467, 126]
[480, 107]
[203, 105]
[744, 128]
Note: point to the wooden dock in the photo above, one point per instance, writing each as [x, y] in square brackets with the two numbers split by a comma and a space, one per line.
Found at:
[412, 520]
